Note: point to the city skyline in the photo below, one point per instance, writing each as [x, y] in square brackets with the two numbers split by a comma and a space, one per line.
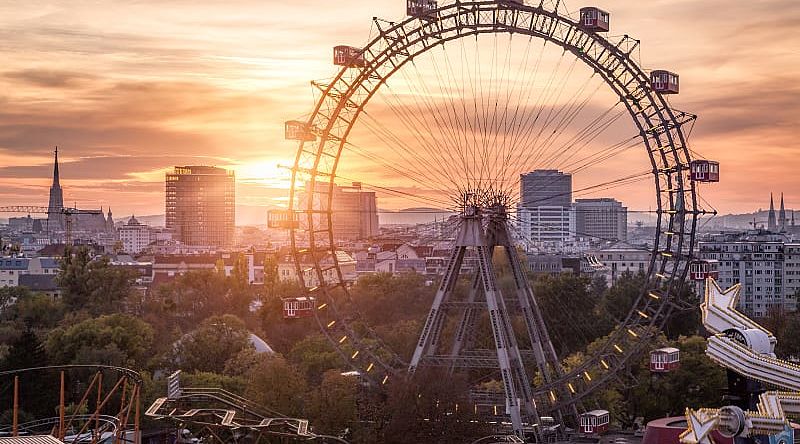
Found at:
[116, 100]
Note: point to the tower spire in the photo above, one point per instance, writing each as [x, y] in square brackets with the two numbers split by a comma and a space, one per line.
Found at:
[771, 223]
[56, 203]
[56, 177]
[782, 216]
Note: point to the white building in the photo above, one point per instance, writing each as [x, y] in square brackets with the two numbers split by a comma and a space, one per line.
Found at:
[135, 236]
[766, 265]
[621, 258]
[550, 226]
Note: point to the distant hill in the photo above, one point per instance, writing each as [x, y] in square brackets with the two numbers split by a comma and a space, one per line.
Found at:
[411, 216]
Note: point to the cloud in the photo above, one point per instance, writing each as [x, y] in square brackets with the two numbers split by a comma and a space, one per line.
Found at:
[48, 78]
[213, 82]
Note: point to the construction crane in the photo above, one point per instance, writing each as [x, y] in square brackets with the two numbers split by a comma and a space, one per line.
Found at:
[66, 212]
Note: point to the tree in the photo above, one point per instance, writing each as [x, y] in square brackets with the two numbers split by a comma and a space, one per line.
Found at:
[25, 352]
[193, 297]
[314, 356]
[332, 407]
[116, 339]
[93, 285]
[570, 311]
[278, 385]
[40, 311]
[212, 344]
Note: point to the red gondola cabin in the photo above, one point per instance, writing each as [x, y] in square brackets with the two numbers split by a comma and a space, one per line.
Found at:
[349, 56]
[703, 269]
[595, 19]
[704, 171]
[296, 308]
[296, 130]
[594, 422]
[665, 82]
[665, 360]
[423, 9]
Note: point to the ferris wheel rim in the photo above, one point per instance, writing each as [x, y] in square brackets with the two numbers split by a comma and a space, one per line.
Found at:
[670, 172]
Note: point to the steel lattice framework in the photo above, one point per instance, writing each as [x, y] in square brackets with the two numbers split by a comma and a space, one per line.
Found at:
[338, 109]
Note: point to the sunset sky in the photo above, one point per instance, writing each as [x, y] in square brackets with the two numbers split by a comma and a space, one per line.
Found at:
[128, 89]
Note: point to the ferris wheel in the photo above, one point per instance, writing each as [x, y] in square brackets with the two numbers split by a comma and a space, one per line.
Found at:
[444, 110]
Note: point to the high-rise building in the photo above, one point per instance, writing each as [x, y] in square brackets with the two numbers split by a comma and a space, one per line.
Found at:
[545, 213]
[545, 188]
[355, 211]
[55, 220]
[201, 205]
[601, 219]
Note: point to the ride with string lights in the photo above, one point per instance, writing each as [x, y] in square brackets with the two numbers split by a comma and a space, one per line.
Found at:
[446, 108]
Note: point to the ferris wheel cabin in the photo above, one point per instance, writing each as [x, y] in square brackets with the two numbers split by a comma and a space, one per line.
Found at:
[704, 171]
[595, 19]
[297, 130]
[701, 270]
[665, 82]
[296, 308]
[665, 360]
[594, 422]
[423, 9]
[349, 56]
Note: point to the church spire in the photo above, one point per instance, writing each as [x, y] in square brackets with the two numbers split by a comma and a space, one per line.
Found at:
[55, 171]
[772, 225]
[782, 216]
[56, 203]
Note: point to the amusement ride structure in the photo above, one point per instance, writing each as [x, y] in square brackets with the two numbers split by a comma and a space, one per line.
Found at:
[746, 350]
[102, 409]
[451, 104]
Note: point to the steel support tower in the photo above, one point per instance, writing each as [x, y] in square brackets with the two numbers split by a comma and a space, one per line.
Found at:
[482, 229]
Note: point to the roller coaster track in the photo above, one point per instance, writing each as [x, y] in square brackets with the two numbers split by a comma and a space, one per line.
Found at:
[745, 347]
[219, 409]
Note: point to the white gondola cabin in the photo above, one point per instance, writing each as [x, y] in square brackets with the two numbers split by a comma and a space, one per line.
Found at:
[595, 19]
[594, 422]
[424, 9]
[665, 82]
[665, 360]
[296, 308]
[704, 171]
[349, 56]
[297, 130]
[701, 270]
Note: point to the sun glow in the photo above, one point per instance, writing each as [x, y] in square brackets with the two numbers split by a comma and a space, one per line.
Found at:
[272, 174]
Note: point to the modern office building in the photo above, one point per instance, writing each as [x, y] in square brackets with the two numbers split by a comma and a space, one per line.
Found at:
[354, 211]
[201, 205]
[545, 213]
[545, 188]
[602, 219]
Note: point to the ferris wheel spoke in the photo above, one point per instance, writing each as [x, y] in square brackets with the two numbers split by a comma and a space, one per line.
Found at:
[432, 148]
[456, 128]
[569, 114]
[424, 105]
[530, 118]
[517, 119]
[582, 138]
[507, 123]
[506, 85]
[422, 169]
[531, 138]
[386, 164]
